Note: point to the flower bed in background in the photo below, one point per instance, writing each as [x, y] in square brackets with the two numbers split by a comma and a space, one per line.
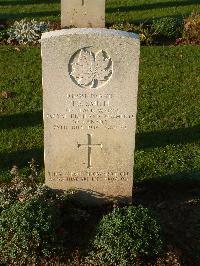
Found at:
[166, 30]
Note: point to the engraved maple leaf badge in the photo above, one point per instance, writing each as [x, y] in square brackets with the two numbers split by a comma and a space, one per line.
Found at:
[90, 70]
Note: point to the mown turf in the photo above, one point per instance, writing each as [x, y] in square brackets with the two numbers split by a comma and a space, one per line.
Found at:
[144, 10]
[167, 157]
[168, 128]
[168, 119]
[116, 10]
[21, 115]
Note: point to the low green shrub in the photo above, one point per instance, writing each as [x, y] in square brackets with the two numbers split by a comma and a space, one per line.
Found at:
[168, 27]
[36, 222]
[191, 32]
[123, 235]
[28, 232]
[39, 226]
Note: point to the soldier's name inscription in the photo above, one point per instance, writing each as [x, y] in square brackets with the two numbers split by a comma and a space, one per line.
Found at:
[90, 111]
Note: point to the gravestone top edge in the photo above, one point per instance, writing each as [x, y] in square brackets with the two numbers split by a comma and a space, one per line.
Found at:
[79, 31]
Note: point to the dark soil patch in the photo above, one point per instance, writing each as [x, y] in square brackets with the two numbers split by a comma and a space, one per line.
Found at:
[177, 205]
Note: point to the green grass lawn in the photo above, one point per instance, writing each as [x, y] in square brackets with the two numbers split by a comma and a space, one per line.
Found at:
[116, 10]
[167, 156]
[21, 116]
[168, 131]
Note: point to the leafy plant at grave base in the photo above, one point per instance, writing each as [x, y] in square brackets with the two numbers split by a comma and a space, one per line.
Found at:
[28, 231]
[123, 235]
[20, 188]
[24, 31]
[3, 35]
[125, 27]
[35, 221]
[168, 27]
[191, 32]
[146, 32]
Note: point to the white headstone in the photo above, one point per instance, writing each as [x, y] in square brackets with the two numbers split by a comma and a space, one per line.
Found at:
[83, 13]
[90, 83]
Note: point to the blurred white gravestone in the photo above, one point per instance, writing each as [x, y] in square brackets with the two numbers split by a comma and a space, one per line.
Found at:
[90, 83]
[83, 13]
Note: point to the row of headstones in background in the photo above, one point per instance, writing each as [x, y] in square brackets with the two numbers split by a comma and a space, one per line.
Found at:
[90, 83]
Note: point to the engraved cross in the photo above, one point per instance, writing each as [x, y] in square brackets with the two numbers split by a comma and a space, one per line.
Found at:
[90, 145]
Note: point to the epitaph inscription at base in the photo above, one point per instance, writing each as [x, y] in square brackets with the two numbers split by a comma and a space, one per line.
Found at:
[90, 82]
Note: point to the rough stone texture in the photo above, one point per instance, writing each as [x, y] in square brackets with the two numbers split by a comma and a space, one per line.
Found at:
[83, 13]
[90, 83]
